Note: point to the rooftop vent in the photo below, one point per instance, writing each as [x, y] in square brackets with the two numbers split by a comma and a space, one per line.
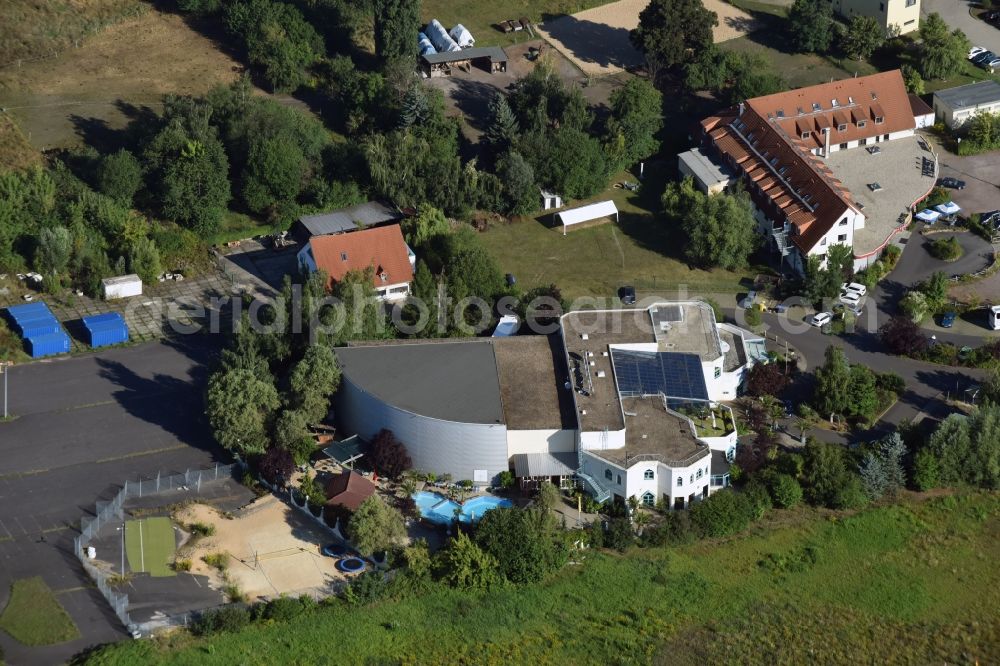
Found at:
[835, 103]
[781, 113]
[600, 373]
[584, 336]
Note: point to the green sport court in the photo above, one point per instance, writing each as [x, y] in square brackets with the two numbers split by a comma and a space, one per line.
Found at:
[149, 545]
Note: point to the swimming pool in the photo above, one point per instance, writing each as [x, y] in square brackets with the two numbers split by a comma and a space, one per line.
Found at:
[441, 510]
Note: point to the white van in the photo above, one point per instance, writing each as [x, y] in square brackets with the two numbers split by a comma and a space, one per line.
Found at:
[993, 317]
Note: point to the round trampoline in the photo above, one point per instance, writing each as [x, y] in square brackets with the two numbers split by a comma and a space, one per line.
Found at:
[351, 565]
[334, 550]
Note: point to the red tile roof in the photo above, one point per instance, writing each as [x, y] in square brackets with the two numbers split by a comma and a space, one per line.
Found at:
[381, 248]
[349, 489]
[764, 139]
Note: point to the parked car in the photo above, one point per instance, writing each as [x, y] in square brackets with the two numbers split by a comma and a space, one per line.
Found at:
[975, 50]
[947, 320]
[983, 56]
[821, 319]
[851, 299]
[856, 287]
[747, 301]
[627, 294]
[952, 183]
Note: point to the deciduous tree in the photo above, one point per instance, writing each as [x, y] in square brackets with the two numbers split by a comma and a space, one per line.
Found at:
[903, 337]
[637, 115]
[313, 381]
[389, 455]
[463, 564]
[119, 176]
[671, 32]
[240, 407]
[396, 25]
[942, 52]
[720, 229]
[810, 25]
[862, 37]
[520, 192]
[375, 526]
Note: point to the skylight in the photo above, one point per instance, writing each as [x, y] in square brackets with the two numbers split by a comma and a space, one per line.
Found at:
[816, 106]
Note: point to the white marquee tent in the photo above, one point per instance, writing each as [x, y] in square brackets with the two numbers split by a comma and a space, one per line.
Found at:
[594, 211]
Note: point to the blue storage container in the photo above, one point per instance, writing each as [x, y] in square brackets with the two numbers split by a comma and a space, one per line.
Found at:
[103, 318]
[30, 328]
[107, 333]
[27, 311]
[49, 344]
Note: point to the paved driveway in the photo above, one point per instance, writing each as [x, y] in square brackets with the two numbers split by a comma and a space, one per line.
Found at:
[981, 174]
[85, 425]
[956, 14]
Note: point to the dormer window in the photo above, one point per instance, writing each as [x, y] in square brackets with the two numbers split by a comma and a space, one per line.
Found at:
[850, 100]
[781, 113]
[879, 120]
[816, 106]
[842, 127]
[835, 103]
[862, 123]
[343, 256]
[805, 135]
[874, 96]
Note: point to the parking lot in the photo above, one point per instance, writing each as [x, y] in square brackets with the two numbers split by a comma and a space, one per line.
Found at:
[83, 426]
[981, 174]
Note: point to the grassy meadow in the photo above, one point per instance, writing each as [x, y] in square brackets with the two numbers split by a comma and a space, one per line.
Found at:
[908, 583]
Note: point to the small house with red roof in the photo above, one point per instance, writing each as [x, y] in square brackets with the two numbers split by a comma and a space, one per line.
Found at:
[380, 248]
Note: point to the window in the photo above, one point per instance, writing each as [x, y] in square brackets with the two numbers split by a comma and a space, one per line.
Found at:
[692, 479]
[842, 238]
[619, 479]
[879, 120]
[881, 6]
[843, 222]
[841, 127]
[823, 242]
[343, 256]
[607, 474]
[843, 146]
[911, 21]
[731, 454]
[648, 475]
[648, 499]
[805, 135]
[910, 3]
[699, 474]
[718, 372]
[680, 481]
[862, 123]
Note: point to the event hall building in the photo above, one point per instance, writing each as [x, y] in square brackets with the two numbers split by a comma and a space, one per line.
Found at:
[625, 402]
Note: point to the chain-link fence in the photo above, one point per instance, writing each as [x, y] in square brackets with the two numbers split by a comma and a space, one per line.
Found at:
[114, 511]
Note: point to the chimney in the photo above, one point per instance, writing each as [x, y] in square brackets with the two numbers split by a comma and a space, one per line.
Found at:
[826, 150]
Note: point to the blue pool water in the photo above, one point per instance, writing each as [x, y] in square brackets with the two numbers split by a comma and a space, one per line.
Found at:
[441, 510]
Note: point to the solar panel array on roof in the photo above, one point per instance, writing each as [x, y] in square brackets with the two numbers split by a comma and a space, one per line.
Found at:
[673, 374]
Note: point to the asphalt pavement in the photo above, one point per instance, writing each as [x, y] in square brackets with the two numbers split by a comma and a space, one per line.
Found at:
[956, 14]
[85, 425]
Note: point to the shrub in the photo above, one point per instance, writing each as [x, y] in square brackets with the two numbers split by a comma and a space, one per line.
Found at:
[284, 609]
[201, 529]
[182, 565]
[758, 498]
[722, 514]
[890, 381]
[766, 379]
[789, 463]
[945, 249]
[219, 561]
[618, 534]
[505, 479]
[926, 470]
[228, 619]
[674, 529]
[784, 489]
[366, 588]
[891, 255]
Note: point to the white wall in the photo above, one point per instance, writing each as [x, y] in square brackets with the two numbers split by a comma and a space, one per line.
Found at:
[599, 439]
[540, 441]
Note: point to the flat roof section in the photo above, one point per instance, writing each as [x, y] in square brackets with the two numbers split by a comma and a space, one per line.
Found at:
[533, 377]
[653, 433]
[704, 168]
[687, 327]
[494, 53]
[971, 95]
[451, 381]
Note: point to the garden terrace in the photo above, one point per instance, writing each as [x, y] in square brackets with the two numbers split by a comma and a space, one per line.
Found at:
[655, 433]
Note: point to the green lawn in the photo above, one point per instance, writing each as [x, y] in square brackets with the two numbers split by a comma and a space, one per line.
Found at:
[237, 226]
[642, 250]
[34, 616]
[911, 583]
[149, 545]
[479, 17]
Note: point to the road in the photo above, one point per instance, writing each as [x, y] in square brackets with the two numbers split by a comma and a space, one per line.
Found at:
[84, 426]
[956, 14]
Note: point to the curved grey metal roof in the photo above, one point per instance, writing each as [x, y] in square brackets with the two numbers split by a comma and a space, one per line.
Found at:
[451, 381]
